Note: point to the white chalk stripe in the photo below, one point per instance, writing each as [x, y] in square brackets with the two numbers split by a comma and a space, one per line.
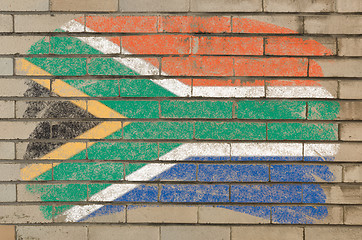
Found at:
[267, 149]
[227, 91]
[297, 92]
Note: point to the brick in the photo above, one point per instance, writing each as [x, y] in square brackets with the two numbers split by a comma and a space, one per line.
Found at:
[194, 232]
[352, 215]
[220, 215]
[337, 24]
[7, 150]
[278, 24]
[335, 68]
[352, 173]
[266, 233]
[227, 45]
[335, 194]
[328, 110]
[351, 131]
[332, 233]
[96, 66]
[343, 152]
[335, 215]
[8, 192]
[6, 66]
[196, 109]
[350, 46]
[9, 172]
[52, 232]
[7, 108]
[349, 6]
[157, 44]
[127, 232]
[286, 173]
[198, 66]
[84, 5]
[17, 44]
[17, 130]
[226, 6]
[253, 66]
[37, 192]
[301, 88]
[19, 5]
[350, 89]
[191, 24]
[15, 87]
[299, 6]
[271, 109]
[297, 46]
[123, 24]
[162, 214]
[302, 131]
[154, 5]
[7, 232]
[230, 131]
[6, 23]
[22, 214]
[41, 23]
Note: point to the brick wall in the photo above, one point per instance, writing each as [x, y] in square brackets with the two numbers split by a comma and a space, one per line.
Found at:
[180, 119]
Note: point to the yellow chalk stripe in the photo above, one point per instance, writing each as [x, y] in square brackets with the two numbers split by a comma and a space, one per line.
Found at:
[69, 149]
[34, 170]
[25, 67]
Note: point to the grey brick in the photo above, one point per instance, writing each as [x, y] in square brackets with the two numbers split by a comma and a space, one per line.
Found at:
[22, 214]
[353, 173]
[9, 172]
[194, 232]
[14, 87]
[350, 47]
[351, 131]
[339, 67]
[333, 24]
[16, 130]
[332, 233]
[6, 66]
[349, 6]
[163, 214]
[299, 5]
[17, 44]
[41, 23]
[21, 5]
[154, 5]
[226, 6]
[6, 23]
[8, 192]
[52, 232]
[7, 150]
[7, 109]
[127, 232]
[352, 215]
[350, 89]
[84, 5]
[267, 233]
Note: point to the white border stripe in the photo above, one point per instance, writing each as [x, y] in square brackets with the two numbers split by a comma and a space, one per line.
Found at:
[297, 92]
[228, 91]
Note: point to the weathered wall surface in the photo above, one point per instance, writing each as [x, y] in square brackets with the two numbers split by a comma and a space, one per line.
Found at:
[181, 119]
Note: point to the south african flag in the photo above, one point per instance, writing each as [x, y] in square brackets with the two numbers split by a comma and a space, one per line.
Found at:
[153, 113]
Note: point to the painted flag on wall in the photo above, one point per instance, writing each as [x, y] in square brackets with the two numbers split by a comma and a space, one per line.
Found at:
[242, 147]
